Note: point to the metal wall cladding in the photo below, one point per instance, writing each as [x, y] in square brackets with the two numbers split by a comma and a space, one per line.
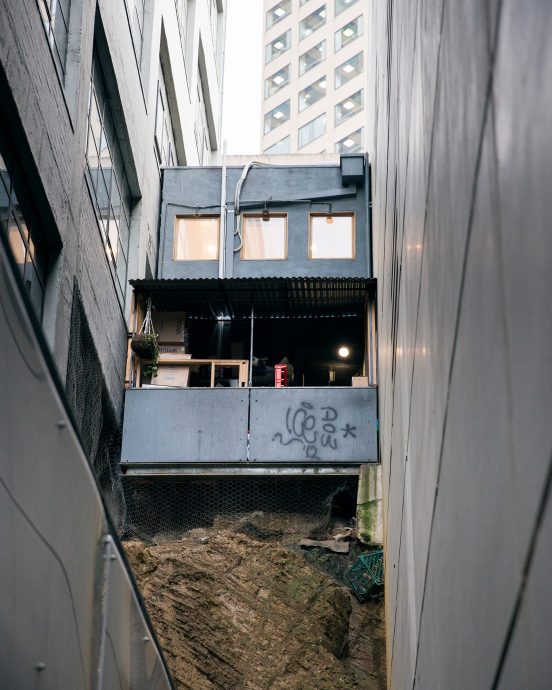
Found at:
[52, 529]
[460, 146]
[313, 425]
[185, 425]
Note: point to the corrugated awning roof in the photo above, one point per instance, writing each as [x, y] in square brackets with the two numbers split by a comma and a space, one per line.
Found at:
[209, 298]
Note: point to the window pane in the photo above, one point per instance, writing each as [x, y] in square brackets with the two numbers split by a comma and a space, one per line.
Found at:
[348, 33]
[282, 146]
[277, 13]
[264, 239]
[348, 70]
[341, 5]
[17, 245]
[313, 93]
[34, 286]
[312, 57]
[348, 107]
[350, 143]
[196, 239]
[332, 236]
[278, 46]
[277, 81]
[276, 117]
[313, 22]
[312, 130]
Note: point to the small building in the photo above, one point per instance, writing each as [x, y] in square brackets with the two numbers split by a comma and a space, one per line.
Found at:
[263, 306]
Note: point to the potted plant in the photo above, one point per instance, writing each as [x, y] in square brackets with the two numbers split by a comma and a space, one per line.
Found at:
[144, 343]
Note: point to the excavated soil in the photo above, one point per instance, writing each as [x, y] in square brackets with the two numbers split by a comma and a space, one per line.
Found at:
[241, 612]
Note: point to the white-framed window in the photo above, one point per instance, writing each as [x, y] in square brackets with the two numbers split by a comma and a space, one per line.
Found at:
[312, 130]
[348, 70]
[349, 106]
[264, 237]
[332, 236]
[164, 135]
[278, 46]
[351, 143]
[282, 146]
[278, 12]
[196, 238]
[314, 21]
[342, 5]
[348, 33]
[276, 117]
[312, 94]
[277, 81]
[312, 57]
[135, 9]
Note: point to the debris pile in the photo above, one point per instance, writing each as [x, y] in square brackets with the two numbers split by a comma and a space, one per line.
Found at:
[234, 608]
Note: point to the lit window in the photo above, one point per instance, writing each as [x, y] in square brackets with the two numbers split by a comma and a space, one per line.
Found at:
[278, 46]
[282, 146]
[312, 130]
[332, 236]
[109, 181]
[196, 238]
[348, 33]
[350, 143]
[348, 107]
[55, 17]
[312, 57]
[264, 238]
[313, 93]
[348, 70]
[164, 135]
[276, 117]
[277, 13]
[313, 22]
[19, 223]
[342, 5]
[277, 81]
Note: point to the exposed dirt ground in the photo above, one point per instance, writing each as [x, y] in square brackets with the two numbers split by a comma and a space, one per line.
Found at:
[242, 611]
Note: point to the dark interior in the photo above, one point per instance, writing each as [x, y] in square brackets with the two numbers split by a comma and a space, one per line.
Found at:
[310, 346]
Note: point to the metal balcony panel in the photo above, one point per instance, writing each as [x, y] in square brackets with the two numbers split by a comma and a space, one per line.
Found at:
[183, 425]
[313, 425]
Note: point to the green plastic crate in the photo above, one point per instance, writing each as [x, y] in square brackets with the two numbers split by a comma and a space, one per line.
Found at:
[366, 575]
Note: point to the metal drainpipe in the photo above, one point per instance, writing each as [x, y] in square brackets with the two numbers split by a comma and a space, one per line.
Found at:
[222, 238]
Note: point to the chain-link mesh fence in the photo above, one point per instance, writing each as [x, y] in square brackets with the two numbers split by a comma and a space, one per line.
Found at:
[281, 508]
[98, 424]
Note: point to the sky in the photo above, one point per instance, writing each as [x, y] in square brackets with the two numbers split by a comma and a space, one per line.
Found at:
[241, 109]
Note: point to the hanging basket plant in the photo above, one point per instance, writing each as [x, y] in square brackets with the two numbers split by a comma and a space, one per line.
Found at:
[144, 343]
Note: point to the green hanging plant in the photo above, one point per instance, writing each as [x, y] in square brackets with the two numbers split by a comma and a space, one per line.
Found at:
[145, 345]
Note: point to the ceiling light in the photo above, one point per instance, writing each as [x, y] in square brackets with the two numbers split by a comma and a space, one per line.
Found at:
[348, 68]
[278, 45]
[279, 12]
[322, 14]
[348, 143]
[343, 351]
[278, 80]
[322, 84]
[348, 32]
[348, 105]
[278, 115]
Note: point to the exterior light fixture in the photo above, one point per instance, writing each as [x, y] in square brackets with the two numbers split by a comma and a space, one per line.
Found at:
[343, 351]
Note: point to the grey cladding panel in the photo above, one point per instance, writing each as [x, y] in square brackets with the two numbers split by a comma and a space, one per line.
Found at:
[330, 425]
[185, 425]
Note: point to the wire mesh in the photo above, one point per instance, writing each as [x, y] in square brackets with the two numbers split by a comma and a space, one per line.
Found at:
[272, 508]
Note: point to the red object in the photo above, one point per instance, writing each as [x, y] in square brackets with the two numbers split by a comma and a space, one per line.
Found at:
[280, 375]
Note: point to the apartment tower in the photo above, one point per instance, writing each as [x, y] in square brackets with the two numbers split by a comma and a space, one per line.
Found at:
[314, 83]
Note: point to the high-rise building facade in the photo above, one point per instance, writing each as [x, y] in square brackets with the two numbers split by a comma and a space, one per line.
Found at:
[314, 76]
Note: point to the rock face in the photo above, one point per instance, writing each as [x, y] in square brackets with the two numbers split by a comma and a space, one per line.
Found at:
[237, 613]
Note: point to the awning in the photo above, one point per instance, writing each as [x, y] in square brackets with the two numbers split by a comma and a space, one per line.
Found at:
[207, 298]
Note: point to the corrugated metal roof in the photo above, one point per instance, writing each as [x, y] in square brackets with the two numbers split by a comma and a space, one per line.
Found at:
[271, 297]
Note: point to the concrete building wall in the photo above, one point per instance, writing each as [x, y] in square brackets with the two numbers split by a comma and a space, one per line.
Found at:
[45, 114]
[325, 143]
[461, 177]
